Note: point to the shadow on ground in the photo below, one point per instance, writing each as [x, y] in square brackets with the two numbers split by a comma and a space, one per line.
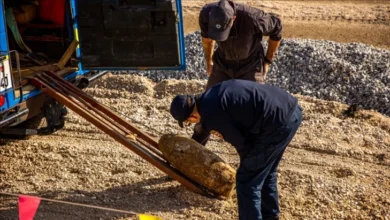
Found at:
[144, 197]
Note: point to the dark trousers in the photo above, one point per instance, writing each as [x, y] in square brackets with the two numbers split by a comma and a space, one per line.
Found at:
[219, 75]
[256, 177]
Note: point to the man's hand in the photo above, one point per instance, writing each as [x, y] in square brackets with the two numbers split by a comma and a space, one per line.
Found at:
[266, 68]
[217, 134]
[261, 76]
[272, 48]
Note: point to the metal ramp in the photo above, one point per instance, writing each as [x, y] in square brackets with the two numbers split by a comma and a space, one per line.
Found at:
[112, 124]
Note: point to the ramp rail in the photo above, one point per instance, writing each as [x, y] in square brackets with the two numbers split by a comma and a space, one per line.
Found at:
[112, 124]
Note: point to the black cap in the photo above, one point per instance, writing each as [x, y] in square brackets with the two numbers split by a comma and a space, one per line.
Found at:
[221, 15]
[181, 109]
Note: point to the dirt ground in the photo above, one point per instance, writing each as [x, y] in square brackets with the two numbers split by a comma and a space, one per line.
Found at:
[337, 167]
[365, 21]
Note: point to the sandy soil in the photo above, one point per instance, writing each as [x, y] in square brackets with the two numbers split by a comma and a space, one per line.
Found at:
[337, 167]
[362, 21]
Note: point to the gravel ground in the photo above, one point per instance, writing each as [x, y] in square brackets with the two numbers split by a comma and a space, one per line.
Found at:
[351, 73]
[336, 168]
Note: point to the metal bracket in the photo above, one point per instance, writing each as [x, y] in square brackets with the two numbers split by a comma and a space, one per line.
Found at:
[18, 70]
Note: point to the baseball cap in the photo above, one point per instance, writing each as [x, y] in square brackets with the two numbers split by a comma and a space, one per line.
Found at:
[181, 109]
[220, 17]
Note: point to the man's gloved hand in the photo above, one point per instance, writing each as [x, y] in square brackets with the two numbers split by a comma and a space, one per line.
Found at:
[261, 76]
[200, 135]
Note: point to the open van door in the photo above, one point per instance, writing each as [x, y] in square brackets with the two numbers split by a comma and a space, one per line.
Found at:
[129, 34]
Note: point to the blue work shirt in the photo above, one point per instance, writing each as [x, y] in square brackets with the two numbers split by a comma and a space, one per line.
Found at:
[242, 109]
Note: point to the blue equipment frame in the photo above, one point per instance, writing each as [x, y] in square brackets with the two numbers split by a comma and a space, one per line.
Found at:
[12, 101]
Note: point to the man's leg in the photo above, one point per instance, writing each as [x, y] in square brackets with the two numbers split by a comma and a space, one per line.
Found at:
[251, 176]
[252, 69]
[215, 77]
[249, 183]
[269, 193]
[256, 179]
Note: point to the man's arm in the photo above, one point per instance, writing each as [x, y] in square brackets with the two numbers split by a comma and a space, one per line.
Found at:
[208, 44]
[208, 47]
[227, 129]
[273, 46]
[269, 25]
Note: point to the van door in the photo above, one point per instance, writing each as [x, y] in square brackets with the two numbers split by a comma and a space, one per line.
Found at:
[129, 34]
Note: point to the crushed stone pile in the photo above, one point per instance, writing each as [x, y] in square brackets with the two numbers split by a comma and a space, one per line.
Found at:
[351, 73]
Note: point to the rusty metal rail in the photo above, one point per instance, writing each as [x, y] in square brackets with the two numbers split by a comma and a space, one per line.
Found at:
[112, 124]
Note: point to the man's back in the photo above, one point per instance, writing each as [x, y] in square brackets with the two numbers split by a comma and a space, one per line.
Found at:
[251, 107]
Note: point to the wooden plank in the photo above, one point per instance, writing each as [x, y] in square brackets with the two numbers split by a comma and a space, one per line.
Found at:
[27, 88]
[68, 53]
[34, 69]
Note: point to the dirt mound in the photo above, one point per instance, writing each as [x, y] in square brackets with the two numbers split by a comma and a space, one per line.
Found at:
[336, 162]
[125, 86]
[173, 87]
[122, 84]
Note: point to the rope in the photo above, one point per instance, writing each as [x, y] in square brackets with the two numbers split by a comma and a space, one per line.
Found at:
[73, 203]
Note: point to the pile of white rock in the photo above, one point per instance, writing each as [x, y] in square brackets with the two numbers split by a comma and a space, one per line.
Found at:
[350, 73]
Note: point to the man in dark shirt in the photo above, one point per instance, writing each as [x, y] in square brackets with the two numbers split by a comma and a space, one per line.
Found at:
[238, 30]
[259, 121]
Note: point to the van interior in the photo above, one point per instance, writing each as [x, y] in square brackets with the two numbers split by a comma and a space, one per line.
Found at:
[113, 33]
[40, 31]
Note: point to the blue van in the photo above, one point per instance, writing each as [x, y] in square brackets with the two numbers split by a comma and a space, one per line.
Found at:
[80, 40]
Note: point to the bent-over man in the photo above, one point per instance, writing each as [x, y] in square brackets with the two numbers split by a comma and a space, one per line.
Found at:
[259, 121]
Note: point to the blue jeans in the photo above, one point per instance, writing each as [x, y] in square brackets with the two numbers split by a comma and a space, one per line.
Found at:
[256, 177]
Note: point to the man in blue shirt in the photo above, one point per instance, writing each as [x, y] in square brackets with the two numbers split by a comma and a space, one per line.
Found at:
[259, 121]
